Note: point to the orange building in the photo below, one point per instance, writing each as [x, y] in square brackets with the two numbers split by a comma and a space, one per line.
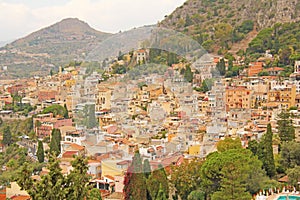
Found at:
[284, 98]
[255, 68]
[238, 97]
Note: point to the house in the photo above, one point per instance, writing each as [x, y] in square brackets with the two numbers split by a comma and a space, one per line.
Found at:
[17, 89]
[238, 97]
[94, 168]
[109, 167]
[45, 123]
[141, 56]
[44, 95]
[284, 97]
[14, 191]
[72, 149]
[255, 68]
[275, 71]
[297, 67]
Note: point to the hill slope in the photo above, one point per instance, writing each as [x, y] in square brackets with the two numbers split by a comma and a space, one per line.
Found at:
[66, 40]
[219, 24]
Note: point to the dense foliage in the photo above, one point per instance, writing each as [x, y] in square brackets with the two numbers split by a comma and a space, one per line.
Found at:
[55, 185]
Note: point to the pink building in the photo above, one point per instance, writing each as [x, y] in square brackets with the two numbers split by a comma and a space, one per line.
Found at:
[44, 123]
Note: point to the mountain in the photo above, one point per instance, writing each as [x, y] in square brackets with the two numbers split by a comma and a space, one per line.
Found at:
[224, 25]
[69, 39]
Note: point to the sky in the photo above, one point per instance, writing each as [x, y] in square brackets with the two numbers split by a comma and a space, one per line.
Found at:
[19, 18]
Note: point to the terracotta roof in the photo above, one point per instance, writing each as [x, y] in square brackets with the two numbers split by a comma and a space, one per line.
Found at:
[284, 179]
[110, 177]
[275, 69]
[69, 154]
[21, 197]
[124, 162]
[77, 147]
[93, 161]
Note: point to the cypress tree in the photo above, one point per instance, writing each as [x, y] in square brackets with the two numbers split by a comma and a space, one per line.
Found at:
[221, 67]
[135, 181]
[265, 152]
[157, 178]
[286, 130]
[7, 137]
[161, 193]
[147, 168]
[55, 142]
[66, 112]
[40, 152]
[188, 74]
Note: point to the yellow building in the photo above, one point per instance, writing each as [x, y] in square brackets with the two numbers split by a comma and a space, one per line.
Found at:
[203, 105]
[284, 97]
[238, 97]
[109, 167]
[194, 150]
[70, 83]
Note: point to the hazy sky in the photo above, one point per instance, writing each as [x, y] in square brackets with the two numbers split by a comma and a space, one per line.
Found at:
[21, 17]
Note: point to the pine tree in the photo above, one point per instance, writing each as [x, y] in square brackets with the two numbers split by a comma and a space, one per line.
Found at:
[7, 137]
[78, 180]
[265, 152]
[40, 152]
[133, 178]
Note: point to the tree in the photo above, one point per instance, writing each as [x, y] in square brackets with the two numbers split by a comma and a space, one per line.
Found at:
[221, 67]
[158, 177]
[7, 137]
[226, 174]
[206, 85]
[147, 168]
[94, 194]
[49, 187]
[66, 112]
[265, 152]
[90, 118]
[186, 177]
[286, 130]
[78, 180]
[188, 74]
[229, 143]
[55, 185]
[294, 176]
[55, 142]
[133, 178]
[253, 146]
[40, 152]
[161, 194]
[55, 110]
[196, 195]
[188, 21]
[290, 154]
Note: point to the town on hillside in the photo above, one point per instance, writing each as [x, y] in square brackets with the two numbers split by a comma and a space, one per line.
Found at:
[169, 117]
